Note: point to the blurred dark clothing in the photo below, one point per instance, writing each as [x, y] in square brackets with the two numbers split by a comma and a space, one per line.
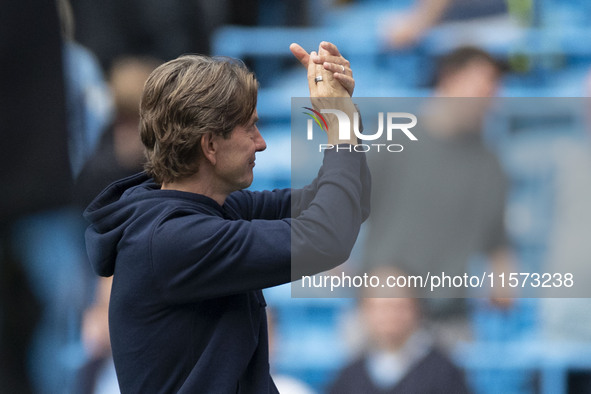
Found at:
[100, 170]
[203, 286]
[160, 29]
[35, 169]
[433, 374]
[19, 314]
[470, 9]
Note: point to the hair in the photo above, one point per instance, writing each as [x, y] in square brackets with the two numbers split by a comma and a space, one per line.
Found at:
[459, 58]
[183, 100]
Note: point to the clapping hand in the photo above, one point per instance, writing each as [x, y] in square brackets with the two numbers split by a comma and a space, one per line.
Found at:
[331, 66]
[329, 77]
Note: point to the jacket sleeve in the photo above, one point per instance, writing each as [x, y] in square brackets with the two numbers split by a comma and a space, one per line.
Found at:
[200, 256]
[270, 205]
[267, 205]
[326, 230]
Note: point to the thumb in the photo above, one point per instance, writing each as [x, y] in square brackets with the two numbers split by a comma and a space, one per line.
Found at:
[300, 54]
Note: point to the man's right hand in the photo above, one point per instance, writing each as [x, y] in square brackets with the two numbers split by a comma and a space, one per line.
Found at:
[333, 89]
[330, 59]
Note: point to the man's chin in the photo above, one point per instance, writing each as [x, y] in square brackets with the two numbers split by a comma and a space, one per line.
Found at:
[246, 184]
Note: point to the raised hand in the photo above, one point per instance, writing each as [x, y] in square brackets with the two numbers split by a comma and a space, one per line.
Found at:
[330, 59]
[329, 89]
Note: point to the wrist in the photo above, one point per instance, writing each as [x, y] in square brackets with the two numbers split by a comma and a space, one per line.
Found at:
[340, 120]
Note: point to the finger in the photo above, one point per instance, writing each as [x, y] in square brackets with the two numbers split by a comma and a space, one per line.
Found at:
[311, 73]
[322, 51]
[319, 68]
[347, 81]
[333, 59]
[300, 54]
[337, 68]
[330, 48]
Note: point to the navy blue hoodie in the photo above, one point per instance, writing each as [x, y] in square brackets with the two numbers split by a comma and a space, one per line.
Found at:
[187, 312]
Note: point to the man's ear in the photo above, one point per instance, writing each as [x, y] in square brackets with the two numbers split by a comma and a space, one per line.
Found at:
[209, 147]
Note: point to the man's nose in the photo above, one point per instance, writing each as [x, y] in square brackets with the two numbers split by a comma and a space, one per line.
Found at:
[259, 141]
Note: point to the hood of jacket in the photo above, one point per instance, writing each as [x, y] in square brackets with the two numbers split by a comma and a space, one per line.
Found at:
[131, 206]
[109, 215]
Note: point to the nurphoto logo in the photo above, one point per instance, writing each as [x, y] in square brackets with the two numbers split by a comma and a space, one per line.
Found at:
[392, 120]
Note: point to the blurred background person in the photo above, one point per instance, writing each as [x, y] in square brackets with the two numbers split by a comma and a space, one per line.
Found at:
[442, 202]
[60, 110]
[89, 102]
[399, 354]
[33, 161]
[120, 152]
